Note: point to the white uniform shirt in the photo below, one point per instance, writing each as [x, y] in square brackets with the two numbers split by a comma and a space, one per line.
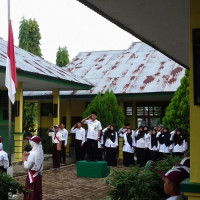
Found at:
[179, 197]
[79, 133]
[93, 128]
[141, 143]
[126, 145]
[4, 162]
[162, 147]
[110, 143]
[1, 145]
[154, 148]
[64, 133]
[178, 148]
[148, 142]
[54, 139]
[100, 142]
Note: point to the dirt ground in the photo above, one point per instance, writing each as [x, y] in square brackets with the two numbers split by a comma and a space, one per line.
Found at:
[64, 185]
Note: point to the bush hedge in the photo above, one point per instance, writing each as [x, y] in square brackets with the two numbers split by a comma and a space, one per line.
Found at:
[140, 183]
[11, 186]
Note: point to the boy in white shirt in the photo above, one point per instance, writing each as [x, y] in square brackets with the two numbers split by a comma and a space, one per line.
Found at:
[79, 140]
[64, 133]
[56, 136]
[172, 180]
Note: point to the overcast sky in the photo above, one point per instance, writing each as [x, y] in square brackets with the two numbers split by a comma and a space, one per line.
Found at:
[65, 23]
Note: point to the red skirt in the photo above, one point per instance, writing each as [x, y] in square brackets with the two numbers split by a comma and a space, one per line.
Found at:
[35, 187]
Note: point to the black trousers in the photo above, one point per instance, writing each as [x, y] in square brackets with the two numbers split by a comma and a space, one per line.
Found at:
[56, 156]
[163, 155]
[111, 156]
[100, 153]
[178, 154]
[78, 150]
[84, 150]
[128, 159]
[140, 153]
[147, 155]
[63, 153]
[153, 156]
[92, 149]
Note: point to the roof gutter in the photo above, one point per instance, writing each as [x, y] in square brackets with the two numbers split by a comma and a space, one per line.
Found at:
[21, 73]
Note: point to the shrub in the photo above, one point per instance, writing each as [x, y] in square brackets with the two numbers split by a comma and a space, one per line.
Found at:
[167, 163]
[140, 183]
[10, 185]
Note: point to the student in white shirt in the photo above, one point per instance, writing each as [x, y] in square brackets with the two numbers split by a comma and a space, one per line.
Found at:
[152, 145]
[93, 135]
[4, 162]
[179, 142]
[128, 147]
[111, 143]
[56, 136]
[64, 133]
[79, 140]
[33, 162]
[165, 144]
[172, 180]
[141, 146]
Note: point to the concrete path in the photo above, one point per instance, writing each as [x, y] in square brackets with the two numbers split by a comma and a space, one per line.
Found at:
[64, 185]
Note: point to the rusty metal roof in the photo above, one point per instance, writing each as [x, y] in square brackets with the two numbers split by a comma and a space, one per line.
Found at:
[139, 69]
[28, 62]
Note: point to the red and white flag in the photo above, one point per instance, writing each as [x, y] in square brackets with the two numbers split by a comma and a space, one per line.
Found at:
[11, 77]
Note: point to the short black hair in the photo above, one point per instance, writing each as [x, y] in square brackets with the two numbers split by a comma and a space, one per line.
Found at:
[62, 123]
[94, 113]
[127, 124]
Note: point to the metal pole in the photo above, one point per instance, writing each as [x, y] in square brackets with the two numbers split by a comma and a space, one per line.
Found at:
[9, 106]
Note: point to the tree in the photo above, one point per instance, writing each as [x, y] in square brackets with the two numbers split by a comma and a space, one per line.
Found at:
[30, 112]
[177, 113]
[62, 57]
[107, 109]
[29, 36]
[29, 40]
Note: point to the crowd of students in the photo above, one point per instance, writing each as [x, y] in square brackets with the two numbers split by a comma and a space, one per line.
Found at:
[151, 144]
[92, 143]
[141, 144]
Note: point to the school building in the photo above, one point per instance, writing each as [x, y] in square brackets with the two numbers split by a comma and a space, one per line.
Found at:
[173, 28]
[143, 80]
[33, 73]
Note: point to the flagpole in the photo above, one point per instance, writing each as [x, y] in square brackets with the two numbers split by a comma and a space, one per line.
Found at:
[9, 107]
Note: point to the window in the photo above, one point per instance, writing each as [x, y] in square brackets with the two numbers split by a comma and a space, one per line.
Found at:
[47, 109]
[128, 109]
[150, 116]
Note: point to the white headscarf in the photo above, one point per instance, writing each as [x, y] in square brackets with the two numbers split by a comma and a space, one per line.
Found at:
[36, 155]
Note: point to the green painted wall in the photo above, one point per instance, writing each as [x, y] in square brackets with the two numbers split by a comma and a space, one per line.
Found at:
[4, 132]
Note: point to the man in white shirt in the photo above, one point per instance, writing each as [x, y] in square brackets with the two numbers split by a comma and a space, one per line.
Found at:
[79, 140]
[64, 133]
[93, 135]
[56, 136]
[4, 162]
